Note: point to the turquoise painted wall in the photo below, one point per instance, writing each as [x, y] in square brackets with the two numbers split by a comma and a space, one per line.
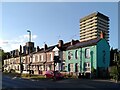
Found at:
[91, 59]
[81, 58]
[99, 56]
[103, 54]
[73, 60]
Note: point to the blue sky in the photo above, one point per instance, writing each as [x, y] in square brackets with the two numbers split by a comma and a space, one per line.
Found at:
[51, 21]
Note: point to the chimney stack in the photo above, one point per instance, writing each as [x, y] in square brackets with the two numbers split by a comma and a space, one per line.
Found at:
[45, 46]
[38, 48]
[72, 42]
[60, 43]
[24, 50]
[101, 35]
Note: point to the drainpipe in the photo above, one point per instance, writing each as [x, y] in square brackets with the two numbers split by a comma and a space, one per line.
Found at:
[81, 61]
[20, 60]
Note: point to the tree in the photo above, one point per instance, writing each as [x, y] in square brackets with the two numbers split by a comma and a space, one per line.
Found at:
[115, 70]
[118, 64]
[93, 72]
[111, 56]
[2, 57]
[114, 73]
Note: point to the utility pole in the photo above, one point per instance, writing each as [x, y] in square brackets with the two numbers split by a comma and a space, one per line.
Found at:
[80, 61]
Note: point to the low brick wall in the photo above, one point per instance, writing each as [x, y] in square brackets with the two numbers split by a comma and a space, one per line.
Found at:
[43, 72]
[70, 74]
[36, 72]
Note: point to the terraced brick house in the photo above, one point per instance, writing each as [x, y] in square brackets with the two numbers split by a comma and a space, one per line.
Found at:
[40, 60]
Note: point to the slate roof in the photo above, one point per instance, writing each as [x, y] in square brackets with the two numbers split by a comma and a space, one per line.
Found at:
[47, 50]
[50, 48]
[66, 45]
[84, 44]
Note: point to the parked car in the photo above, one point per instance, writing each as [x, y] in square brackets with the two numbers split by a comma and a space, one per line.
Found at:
[50, 74]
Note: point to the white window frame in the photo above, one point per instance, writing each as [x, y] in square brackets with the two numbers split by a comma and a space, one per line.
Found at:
[76, 54]
[71, 67]
[41, 57]
[70, 54]
[87, 53]
[33, 58]
[87, 67]
[51, 58]
[36, 56]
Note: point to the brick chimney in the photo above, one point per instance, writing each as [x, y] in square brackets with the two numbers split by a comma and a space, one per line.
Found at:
[24, 50]
[45, 46]
[38, 48]
[60, 43]
[20, 49]
[72, 42]
[11, 52]
[101, 35]
[16, 52]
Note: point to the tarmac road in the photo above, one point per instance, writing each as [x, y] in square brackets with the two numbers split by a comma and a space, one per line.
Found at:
[19, 83]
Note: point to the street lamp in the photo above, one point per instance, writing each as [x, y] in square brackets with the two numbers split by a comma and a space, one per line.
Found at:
[29, 35]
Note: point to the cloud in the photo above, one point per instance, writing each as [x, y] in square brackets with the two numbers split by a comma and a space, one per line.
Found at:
[32, 37]
[8, 45]
[26, 36]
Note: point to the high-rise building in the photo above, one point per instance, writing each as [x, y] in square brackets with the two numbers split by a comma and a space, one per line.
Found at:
[93, 25]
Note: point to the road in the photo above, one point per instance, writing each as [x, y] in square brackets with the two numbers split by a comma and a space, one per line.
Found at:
[13, 82]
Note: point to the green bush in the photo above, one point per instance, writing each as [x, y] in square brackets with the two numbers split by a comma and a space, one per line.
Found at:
[93, 75]
[114, 73]
[6, 71]
[67, 76]
[37, 76]
[12, 71]
[25, 75]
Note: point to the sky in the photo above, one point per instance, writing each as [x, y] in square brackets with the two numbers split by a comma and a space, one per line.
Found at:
[50, 21]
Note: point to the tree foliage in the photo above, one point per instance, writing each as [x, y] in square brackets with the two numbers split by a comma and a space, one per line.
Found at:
[114, 72]
[115, 69]
[2, 54]
[2, 57]
[111, 56]
[93, 71]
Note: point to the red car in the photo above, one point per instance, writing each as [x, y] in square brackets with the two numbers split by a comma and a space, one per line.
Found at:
[50, 74]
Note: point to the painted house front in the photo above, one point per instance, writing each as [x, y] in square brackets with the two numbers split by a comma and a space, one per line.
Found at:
[103, 57]
[82, 57]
